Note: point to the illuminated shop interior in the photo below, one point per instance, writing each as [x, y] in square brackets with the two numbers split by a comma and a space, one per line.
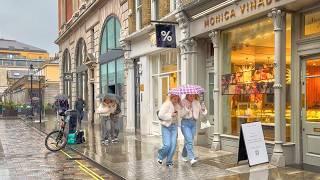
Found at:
[248, 77]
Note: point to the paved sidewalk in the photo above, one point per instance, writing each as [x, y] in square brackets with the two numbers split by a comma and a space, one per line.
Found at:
[24, 156]
[135, 158]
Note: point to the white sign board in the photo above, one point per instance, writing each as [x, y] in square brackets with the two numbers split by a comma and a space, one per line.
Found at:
[255, 144]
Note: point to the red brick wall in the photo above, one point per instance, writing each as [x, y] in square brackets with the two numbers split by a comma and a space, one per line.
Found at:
[69, 10]
[59, 13]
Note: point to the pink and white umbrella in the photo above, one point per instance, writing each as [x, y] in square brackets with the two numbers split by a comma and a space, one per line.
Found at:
[187, 89]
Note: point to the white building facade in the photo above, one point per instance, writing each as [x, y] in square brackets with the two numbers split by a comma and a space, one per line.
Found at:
[258, 61]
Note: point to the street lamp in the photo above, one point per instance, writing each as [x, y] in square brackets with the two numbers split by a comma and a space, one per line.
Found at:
[31, 74]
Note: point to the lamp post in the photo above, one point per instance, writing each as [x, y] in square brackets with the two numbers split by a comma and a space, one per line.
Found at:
[31, 77]
[40, 99]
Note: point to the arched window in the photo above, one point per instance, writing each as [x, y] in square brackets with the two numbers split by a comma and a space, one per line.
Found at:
[66, 64]
[111, 65]
[81, 52]
[110, 35]
[82, 75]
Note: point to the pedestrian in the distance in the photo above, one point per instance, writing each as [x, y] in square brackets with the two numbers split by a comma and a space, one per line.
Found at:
[169, 115]
[115, 122]
[106, 107]
[79, 106]
[193, 109]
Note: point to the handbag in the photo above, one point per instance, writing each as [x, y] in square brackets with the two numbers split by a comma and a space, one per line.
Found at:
[158, 116]
[204, 125]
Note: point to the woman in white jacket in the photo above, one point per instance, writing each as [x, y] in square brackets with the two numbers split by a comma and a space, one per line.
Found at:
[168, 116]
[106, 107]
[193, 109]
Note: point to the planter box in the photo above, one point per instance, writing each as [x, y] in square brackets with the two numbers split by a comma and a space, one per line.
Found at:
[10, 112]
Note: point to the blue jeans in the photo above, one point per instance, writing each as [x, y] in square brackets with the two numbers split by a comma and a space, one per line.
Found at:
[188, 128]
[169, 140]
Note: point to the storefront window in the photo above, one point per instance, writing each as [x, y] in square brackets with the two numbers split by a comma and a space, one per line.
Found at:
[66, 65]
[110, 35]
[165, 72]
[248, 77]
[311, 23]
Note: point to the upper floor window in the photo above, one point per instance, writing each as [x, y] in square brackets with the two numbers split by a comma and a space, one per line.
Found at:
[138, 14]
[110, 35]
[81, 52]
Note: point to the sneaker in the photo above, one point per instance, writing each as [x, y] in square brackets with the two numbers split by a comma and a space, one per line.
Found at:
[115, 140]
[106, 142]
[159, 161]
[170, 165]
[193, 162]
[184, 159]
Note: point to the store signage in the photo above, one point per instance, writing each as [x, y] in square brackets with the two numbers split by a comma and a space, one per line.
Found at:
[166, 36]
[233, 13]
[252, 145]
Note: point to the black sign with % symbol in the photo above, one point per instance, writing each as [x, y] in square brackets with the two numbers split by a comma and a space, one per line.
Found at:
[166, 36]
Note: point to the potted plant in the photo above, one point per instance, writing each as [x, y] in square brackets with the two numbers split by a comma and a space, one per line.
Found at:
[9, 109]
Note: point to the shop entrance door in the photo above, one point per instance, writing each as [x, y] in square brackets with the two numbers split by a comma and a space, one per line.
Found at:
[163, 89]
[311, 110]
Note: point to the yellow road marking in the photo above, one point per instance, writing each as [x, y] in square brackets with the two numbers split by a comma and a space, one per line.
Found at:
[84, 168]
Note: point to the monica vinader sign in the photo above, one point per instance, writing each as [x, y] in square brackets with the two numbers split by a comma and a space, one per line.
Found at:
[233, 13]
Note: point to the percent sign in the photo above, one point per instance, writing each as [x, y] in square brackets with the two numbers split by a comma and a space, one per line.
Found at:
[166, 35]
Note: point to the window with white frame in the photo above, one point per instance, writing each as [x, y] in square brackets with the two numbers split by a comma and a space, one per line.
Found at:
[154, 9]
[138, 14]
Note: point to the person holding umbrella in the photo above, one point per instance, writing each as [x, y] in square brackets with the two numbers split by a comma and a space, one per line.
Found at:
[191, 110]
[109, 110]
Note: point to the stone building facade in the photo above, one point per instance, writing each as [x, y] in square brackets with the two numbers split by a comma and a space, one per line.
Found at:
[91, 58]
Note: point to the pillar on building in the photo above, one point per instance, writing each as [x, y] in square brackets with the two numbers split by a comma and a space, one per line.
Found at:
[216, 143]
[278, 17]
[188, 51]
[61, 74]
[130, 88]
[188, 61]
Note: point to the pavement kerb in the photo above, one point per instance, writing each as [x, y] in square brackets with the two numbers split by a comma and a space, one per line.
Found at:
[78, 152]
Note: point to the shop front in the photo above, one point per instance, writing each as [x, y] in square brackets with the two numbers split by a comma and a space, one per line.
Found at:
[309, 56]
[265, 57]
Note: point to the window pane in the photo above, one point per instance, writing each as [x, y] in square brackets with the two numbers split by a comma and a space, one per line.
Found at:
[111, 34]
[21, 63]
[248, 77]
[118, 29]
[103, 46]
[111, 73]
[312, 23]
[103, 78]
[120, 71]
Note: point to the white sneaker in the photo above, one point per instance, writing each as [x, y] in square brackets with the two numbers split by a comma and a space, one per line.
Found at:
[193, 162]
[184, 159]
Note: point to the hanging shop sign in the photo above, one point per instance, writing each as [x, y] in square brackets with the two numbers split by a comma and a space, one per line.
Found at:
[233, 14]
[252, 146]
[166, 36]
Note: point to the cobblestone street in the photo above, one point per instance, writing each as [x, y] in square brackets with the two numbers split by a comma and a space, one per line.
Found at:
[24, 156]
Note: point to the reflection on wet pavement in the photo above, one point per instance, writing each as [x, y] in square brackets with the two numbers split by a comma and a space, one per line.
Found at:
[24, 156]
[134, 158]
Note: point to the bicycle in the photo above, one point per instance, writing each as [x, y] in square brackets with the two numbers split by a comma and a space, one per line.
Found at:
[57, 139]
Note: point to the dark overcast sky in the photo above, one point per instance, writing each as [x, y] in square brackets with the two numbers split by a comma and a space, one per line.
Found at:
[32, 22]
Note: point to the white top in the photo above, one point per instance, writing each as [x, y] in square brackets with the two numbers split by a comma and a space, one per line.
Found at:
[106, 109]
[166, 111]
[193, 109]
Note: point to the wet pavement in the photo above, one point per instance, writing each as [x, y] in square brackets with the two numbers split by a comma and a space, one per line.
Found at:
[24, 156]
[135, 158]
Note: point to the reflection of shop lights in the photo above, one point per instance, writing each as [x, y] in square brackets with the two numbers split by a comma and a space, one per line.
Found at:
[221, 5]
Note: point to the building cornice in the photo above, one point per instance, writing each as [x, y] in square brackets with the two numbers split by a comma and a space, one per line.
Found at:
[75, 20]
